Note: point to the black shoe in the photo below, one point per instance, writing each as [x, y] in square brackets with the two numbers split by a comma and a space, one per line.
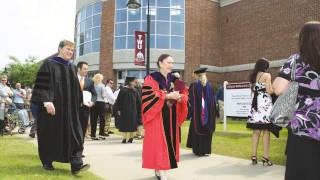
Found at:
[48, 166]
[83, 156]
[32, 135]
[94, 138]
[80, 169]
[102, 137]
[124, 141]
[130, 140]
[105, 135]
[254, 160]
[266, 162]
[110, 132]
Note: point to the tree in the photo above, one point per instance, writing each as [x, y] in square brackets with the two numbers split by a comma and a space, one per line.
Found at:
[25, 72]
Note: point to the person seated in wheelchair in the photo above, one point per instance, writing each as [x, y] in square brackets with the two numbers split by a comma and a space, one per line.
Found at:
[19, 95]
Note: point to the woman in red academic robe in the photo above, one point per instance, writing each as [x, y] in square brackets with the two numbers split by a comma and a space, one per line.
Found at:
[163, 112]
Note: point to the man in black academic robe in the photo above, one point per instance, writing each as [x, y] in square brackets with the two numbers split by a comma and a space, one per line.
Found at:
[58, 97]
[128, 109]
[202, 114]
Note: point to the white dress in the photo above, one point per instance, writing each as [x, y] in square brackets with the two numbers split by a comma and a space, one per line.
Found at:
[260, 109]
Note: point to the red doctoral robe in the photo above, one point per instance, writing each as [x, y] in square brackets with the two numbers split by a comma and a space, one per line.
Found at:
[161, 124]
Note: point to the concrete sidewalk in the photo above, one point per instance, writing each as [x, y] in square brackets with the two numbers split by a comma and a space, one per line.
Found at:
[112, 160]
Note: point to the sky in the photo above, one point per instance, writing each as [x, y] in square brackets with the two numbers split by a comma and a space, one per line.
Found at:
[34, 27]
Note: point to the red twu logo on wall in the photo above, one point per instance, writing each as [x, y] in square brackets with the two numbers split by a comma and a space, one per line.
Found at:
[139, 54]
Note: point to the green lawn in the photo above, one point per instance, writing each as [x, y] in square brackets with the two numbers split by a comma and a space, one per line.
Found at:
[236, 142]
[19, 160]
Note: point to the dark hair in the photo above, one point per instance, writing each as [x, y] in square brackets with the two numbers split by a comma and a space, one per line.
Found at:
[309, 44]
[128, 80]
[262, 65]
[81, 63]
[161, 58]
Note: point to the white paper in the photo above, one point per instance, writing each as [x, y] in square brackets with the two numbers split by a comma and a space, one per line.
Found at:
[86, 97]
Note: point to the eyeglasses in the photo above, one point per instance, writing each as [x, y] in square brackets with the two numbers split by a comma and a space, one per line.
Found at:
[3, 80]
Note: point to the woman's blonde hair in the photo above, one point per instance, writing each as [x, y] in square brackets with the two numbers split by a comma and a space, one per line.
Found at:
[97, 78]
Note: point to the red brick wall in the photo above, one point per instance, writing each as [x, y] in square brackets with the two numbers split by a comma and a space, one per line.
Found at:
[202, 37]
[107, 37]
[257, 28]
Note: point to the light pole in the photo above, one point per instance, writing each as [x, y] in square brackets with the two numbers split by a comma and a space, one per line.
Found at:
[135, 4]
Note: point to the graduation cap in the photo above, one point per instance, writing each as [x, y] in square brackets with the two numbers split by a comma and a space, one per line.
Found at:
[200, 70]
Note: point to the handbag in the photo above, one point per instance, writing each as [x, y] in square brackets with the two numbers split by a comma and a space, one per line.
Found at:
[284, 107]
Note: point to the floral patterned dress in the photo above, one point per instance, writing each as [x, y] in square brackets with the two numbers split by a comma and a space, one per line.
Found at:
[306, 119]
[260, 109]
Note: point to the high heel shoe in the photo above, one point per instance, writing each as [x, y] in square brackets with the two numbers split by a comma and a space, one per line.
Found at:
[266, 162]
[157, 174]
[254, 160]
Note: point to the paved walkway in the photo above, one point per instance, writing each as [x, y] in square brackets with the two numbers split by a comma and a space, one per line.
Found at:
[113, 160]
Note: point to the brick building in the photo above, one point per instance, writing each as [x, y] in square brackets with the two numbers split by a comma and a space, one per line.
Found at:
[227, 36]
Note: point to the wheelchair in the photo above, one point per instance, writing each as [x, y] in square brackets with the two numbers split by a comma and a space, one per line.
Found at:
[9, 119]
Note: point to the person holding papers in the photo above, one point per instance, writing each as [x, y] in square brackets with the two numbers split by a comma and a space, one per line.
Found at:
[88, 92]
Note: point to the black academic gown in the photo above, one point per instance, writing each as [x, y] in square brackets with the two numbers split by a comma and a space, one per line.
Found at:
[200, 135]
[60, 136]
[129, 105]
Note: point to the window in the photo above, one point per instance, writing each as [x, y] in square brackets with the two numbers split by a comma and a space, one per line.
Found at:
[96, 46]
[152, 27]
[151, 2]
[135, 74]
[88, 31]
[163, 27]
[132, 27]
[163, 14]
[176, 3]
[120, 4]
[121, 15]
[88, 23]
[177, 29]
[130, 42]
[121, 29]
[96, 33]
[134, 15]
[167, 24]
[88, 36]
[97, 8]
[87, 48]
[163, 42]
[162, 3]
[96, 20]
[89, 11]
[177, 42]
[120, 42]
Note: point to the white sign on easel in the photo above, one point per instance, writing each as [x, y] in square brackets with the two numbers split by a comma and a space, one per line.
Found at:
[237, 100]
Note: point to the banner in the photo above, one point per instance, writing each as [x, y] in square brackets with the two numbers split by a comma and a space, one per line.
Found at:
[237, 99]
[140, 44]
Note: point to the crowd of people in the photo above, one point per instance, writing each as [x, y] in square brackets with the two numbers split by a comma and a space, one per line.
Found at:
[67, 106]
[15, 101]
